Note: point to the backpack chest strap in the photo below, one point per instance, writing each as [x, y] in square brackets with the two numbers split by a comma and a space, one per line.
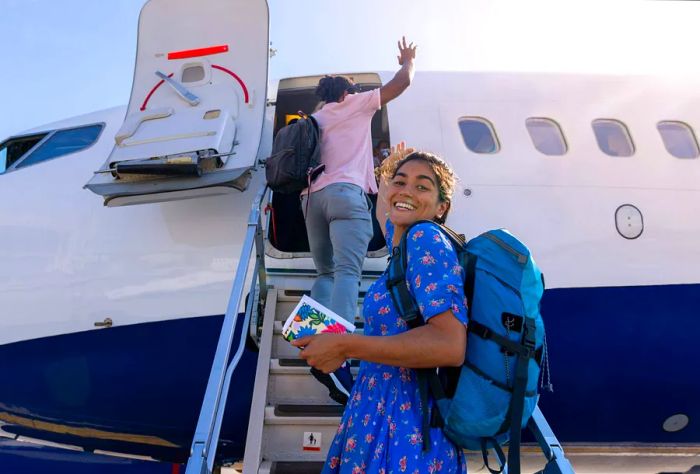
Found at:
[526, 350]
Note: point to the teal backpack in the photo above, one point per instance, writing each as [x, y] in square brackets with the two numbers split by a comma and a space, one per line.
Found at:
[488, 400]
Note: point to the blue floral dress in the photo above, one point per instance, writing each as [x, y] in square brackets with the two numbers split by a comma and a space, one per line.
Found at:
[380, 431]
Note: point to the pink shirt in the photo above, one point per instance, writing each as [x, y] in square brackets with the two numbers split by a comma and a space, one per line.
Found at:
[346, 141]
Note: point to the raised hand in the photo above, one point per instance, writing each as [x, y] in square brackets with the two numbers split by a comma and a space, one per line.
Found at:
[398, 152]
[406, 52]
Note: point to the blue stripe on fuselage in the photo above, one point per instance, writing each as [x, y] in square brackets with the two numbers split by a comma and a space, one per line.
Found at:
[143, 379]
[622, 361]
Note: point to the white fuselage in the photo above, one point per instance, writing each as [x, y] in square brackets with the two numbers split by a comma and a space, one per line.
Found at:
[67, 261]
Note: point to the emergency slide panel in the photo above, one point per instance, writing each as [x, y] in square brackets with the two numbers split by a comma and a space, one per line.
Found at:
[197, 103]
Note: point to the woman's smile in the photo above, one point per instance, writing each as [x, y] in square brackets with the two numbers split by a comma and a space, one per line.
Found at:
[404, 205]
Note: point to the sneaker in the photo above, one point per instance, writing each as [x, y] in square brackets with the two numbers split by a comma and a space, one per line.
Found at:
[339, 383]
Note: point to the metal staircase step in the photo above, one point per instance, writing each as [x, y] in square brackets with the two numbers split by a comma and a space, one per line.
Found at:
[302, 363]
[287, 303]
[308, 411]
[287, 414]
[287, 427]
[282, 349]
[291, 382]
[299, 467]
[291, 467]
[285, 308]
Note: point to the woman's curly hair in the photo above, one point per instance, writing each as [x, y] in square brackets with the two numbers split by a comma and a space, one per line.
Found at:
[331, 88]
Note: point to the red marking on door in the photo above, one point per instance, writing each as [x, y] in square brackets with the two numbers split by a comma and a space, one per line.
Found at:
[148, 97]
[195, 53]
[235, 76]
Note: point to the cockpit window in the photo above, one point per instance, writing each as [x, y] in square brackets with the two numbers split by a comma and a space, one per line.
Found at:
[479, 135]
[679, 139]
[14, 148]
[613, 137]
[62, 143]
[546, 136]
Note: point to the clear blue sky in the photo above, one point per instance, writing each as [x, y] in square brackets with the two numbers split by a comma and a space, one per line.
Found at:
[67, 57]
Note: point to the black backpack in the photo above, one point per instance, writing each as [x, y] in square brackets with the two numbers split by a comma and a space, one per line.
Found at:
[296, 156]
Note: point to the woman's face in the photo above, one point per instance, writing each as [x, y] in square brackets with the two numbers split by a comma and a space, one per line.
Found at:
[413, 195]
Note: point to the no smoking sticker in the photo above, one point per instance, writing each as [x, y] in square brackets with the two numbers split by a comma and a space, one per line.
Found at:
[312, 441]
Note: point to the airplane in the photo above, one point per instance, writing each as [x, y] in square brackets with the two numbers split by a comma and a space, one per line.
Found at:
[120, 231]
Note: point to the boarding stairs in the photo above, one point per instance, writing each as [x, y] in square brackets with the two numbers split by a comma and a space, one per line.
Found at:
[292, 420]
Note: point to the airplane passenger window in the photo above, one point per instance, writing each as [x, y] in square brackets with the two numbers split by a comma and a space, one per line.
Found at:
[13, 149]
[613, 137]
[546, 136]
[62, 143]
[679, 139]
[479, 135]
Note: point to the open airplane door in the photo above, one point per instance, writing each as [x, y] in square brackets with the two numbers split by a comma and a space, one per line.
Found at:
[197, 103]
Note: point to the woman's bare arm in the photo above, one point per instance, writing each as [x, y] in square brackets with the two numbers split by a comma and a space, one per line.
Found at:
[439, 343]
[403, 77]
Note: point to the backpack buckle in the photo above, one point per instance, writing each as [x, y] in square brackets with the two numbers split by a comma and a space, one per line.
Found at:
[529, 344]
[528, 340]
[413, 320]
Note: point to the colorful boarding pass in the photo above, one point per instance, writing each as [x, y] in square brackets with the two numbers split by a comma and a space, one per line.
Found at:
[310, 317]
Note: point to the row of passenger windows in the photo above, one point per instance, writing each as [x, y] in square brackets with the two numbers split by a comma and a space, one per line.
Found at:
[479, 136]
[46, 146]
[613, 137]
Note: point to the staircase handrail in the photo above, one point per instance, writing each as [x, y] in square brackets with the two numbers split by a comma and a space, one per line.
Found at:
[557, 463]
[206, 436]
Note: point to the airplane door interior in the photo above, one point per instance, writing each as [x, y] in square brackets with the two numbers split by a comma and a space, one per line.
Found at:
[286, 230]
[197, 104]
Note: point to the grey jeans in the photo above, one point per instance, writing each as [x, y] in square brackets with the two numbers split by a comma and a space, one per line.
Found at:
[339, 224]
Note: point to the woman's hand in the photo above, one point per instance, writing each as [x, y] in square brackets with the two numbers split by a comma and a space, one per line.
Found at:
[406, 53]
[397, 153]
[322, 351]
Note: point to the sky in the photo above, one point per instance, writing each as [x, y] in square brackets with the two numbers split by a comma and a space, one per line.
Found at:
[67, 57]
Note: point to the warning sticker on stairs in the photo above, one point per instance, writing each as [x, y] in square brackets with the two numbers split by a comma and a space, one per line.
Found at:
[312, 441]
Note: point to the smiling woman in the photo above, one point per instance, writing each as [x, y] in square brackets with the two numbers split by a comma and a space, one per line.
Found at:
[420, 188]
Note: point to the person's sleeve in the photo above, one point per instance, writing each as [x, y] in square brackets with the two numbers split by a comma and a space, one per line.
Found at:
[367, 102]
[434, 276]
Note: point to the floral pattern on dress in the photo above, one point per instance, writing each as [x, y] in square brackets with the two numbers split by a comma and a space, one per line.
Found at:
[380, 431]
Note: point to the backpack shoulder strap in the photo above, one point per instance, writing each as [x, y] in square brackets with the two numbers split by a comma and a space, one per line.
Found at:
[396, 284]
[428, 380]
[313, 120]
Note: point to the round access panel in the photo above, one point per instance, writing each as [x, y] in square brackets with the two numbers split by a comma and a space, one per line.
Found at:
[629, 221]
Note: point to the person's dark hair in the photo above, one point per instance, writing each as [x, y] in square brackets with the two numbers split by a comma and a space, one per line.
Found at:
[331, 88]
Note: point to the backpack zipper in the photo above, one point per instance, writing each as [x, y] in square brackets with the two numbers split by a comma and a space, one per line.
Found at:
[522, 259]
